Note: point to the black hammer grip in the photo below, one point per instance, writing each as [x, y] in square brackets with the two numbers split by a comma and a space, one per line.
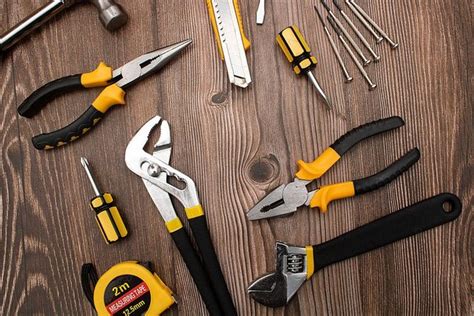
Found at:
[350, 139]
[387, 175]
[404, 223]
[38, 99]
[69, 133]
[195, 268]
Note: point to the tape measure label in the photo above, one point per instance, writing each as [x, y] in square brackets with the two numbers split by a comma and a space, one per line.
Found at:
[127, 295]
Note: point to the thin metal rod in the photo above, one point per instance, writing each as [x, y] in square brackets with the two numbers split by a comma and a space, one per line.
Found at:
[338, 56]
[85, 164]
[361, 37]
[367, 25]
[375, 25]
[319, 89]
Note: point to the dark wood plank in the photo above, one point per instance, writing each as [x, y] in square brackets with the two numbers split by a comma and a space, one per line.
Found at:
[238, 145]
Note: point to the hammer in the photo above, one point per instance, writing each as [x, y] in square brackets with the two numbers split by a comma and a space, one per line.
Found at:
[111, 15]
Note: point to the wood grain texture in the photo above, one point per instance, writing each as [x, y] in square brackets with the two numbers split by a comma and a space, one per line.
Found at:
[238, 145]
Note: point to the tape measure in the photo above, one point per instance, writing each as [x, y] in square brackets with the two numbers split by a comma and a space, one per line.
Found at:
[127, 288]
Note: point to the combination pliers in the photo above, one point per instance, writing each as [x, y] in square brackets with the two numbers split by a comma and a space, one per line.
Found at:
[288, 197]
[154, 171]
[115, 82]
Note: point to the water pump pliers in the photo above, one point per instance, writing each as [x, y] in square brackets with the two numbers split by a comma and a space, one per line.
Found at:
[287, 198]
[114, 81]
[154, 170]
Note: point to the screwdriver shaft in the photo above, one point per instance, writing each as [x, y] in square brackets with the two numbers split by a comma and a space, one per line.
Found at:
[392, 43]
[85, 164]
[367, 25]
[319, 89]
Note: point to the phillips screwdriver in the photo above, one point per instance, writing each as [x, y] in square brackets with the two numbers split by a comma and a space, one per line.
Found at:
[107, 215]
[298, 53]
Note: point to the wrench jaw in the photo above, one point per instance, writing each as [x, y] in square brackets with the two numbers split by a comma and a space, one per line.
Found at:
[149, 167]
[278, 288]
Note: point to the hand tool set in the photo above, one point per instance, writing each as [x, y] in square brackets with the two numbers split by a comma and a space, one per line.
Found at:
[127, 288]
[131, 287]
[111, 15]
[107, 215]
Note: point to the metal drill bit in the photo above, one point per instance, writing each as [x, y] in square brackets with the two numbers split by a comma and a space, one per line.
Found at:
[392, 43]
[365, 60]
[351, 53]
[356, 31]
[319, 89]
[334, 48]
[367, 25]
[261, 12]
[85, 164]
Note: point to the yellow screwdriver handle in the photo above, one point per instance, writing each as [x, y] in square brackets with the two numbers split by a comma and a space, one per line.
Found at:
[108, 218]
[296, 49]
[245, 40]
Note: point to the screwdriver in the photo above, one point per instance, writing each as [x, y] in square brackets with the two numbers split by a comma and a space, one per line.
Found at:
[298, 53]
[108, 217]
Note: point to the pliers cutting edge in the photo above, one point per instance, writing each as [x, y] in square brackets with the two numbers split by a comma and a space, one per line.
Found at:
[154, 170]
[288, 197]
[115, 82]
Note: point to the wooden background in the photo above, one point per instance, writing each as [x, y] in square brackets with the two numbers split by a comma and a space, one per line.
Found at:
[238, 145]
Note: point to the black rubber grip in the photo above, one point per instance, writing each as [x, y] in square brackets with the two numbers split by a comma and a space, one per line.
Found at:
[38, 99]
[199, 275]
[348, 140]
[404, 223]
[387, 175]
[69, 133]
[89, 279]
[211, 264]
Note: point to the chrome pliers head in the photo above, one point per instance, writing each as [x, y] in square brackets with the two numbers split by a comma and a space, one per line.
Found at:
[287, 198]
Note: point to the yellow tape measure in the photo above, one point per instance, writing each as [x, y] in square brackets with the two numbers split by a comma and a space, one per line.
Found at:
[130, 288]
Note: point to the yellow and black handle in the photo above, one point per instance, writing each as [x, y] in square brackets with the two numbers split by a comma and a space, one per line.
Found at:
[316, 169]
[197, 221]
[325, 194]
[401, 224]
[194, 265]
[110, 96]
[296, 49]
[37, 100]
[108, 218]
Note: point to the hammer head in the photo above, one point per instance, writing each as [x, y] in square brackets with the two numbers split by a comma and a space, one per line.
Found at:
[111, 14]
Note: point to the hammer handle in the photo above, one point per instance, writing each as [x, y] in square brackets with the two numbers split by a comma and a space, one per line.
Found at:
[407, 222]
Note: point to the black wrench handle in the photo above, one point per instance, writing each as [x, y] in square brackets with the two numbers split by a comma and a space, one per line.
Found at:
[407, 222]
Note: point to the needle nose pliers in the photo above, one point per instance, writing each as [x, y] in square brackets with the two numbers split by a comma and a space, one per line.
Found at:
[154, 171]
[288, 197]
[115, 82]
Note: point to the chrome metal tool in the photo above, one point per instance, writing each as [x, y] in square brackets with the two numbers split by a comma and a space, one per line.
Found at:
[154, 170]
[111, 15]
[232, 43]
[261, 12]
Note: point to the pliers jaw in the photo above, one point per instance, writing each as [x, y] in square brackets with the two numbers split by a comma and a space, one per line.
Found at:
[277, 288]
[146, 64]
[284, 200]
[149, 167]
